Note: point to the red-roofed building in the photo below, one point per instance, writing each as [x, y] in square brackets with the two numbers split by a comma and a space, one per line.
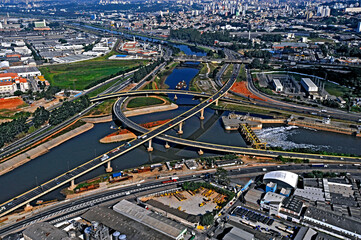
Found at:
[11, 82]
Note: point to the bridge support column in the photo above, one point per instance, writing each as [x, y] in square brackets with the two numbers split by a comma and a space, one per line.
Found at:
[200, 152]
[217, 102]
[202, 114]
[180, 131]
[175, 97]
[166, 145]
[72, 185]
[28, 208]
[109, 167]
[150, 148]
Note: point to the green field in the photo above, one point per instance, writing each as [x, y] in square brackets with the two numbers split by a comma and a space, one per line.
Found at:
[143, 101]
[79, 75]
[335, 89]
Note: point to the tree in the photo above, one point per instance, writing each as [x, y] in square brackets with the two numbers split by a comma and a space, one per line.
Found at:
[41, 115]
[18, 93]
[256, 63]
[221, 176]
[62, 40]
[207, 219]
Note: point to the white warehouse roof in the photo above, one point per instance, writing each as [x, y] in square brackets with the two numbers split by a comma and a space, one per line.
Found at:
[309, 85]
[283, 176]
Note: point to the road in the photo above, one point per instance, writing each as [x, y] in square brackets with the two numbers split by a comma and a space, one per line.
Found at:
[77, 206]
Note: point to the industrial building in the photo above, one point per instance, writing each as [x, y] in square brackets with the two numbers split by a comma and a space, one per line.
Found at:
[136, 222]
[309, 86]
[284, 179]
[45, 231]
[11, 82]
[277, 85]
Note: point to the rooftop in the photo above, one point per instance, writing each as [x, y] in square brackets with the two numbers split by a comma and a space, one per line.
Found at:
[116, 221]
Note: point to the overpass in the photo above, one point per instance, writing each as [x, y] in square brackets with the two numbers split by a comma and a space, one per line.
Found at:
[71, 175]
[210, 60]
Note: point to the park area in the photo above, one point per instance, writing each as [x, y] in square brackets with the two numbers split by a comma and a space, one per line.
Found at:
[144, 101]
[82, 75]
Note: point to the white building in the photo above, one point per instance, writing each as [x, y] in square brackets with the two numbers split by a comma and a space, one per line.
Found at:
[11, 82]
[308, 85]
[282, 178]
[277, 85]
[358, 27]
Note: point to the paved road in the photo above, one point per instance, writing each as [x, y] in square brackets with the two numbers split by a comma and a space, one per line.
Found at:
[77, 206]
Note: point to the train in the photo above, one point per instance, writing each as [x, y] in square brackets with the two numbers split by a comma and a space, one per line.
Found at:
[171, 180]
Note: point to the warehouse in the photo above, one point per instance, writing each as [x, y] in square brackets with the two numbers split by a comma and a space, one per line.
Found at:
[309, 86]
[282, 178]
[277, 85]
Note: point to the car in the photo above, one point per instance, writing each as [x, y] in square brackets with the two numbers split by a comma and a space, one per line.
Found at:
[104, 157]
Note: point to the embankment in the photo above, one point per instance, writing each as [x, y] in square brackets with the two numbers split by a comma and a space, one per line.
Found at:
[148, 110]
[97, 119]
[42, 149]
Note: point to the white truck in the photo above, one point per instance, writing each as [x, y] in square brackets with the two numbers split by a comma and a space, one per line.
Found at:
[104, 157]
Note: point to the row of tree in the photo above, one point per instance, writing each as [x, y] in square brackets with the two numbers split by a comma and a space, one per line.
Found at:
[195, 36]
[143, 71]
[68, 109]
[9, 130]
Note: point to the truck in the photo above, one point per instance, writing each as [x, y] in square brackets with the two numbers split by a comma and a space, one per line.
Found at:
[174, 178]
[318, 165]
[104, 157]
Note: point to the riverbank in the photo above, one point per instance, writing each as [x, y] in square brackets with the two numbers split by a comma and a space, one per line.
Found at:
[25, 157]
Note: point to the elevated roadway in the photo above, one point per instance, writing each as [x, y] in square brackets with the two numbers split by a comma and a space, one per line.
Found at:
[71, 175]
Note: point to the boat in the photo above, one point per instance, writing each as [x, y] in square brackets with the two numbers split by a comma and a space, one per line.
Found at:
[181, 85]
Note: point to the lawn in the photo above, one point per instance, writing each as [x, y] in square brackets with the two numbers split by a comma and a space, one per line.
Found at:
[143, 101]
[79, 75]
[335, 89]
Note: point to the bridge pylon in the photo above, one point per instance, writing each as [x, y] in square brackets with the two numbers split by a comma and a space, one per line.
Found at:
[200, 152]
[72, 185]
[166, 145]
[180, 131]
[109, 167]
[150, 148]
[202, 114]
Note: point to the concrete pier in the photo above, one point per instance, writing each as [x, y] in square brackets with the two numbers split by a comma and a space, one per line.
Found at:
[202, 114]
[180, 131]
[166, 145]
[150, 148]
[109, 167]
[200, 152]
[72, 185]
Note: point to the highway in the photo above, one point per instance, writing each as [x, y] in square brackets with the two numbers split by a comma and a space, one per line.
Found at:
[67, 177]
[75, 207]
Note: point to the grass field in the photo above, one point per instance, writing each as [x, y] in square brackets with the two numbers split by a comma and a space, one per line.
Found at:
[79, 75]
[335, 89]
[143, 101]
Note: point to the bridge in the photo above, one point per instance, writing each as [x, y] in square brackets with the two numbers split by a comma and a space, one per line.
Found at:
[210, 60]
[71, 175]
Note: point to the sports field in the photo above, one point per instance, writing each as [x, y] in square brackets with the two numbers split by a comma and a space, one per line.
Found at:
[79, 75]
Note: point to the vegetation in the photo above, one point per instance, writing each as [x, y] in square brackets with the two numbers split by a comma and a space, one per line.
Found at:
[9, 130]
[68, 109]
[211, 160]
[207, 219]
[193, 35]
[221, 176]
[291, 160]
[143, 101]
[320, 174]
[41, 115]
[143, 71]
[85, 74]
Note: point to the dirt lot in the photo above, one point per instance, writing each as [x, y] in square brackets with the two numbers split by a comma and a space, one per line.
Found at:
[241, 87]
[11, 103]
